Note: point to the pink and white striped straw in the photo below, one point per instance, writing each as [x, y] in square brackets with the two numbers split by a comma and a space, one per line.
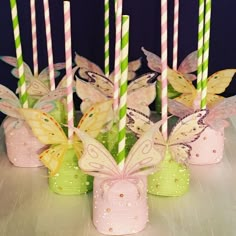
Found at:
[176, 35]
[164, 66]
[34, 37]
[49, 44]
[117, 71]
[69, 84]
[115, 5]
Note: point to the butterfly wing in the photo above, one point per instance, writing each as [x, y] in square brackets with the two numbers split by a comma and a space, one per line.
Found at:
[27, 72]
[59, 66]
[63, 81]
[133, 66]
[9, 102]
[7, 94]
[78, 146]
[189, 64]
[101, 83]
[37, 88]
[139, 106]
[88, 94]
[44, 126]
[180, 152]
[159, 142]
[9, 60]
[48, 102]
[186, 99]
[184, 86]
[83, 62]
[96, 118]
[179, 83]
[213, 99]
[10, 109]
[96, 160]
[190, 77]
[138, 122]
[53, 157]
[142, 81]
[221, 111]
[56, 94]
[44, 74]
[217, 83]
[86, 65]
[154, 61]
[143, 157]
[178, 109]
[13, 62]
[187, 130]
[142, 92]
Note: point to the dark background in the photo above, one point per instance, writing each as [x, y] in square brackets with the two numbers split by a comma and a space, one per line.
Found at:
[87, 32]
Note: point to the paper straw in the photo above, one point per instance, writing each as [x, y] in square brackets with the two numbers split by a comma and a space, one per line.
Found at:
[176, 35]
[207, 27]
[106, 38]
[69, 84]
[123, 91]
[20, 62]
[164, 99]
[115, 5]
[34, 37]
[117, 72]
[49, 44]
[200, 46]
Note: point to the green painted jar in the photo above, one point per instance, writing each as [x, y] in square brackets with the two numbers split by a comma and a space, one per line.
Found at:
[70, 180]
[171, 180]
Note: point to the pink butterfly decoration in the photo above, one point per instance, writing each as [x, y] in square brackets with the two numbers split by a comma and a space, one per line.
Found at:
[37, 86]
[141, 91]
[85, 65]
[93, 86]
[186, 131]
[186, 67]
[217, 115]
[10, 104]
[97, 161]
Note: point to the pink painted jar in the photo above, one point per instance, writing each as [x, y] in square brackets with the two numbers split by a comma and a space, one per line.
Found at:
[22, 146]
[209, 148]
[120, 205]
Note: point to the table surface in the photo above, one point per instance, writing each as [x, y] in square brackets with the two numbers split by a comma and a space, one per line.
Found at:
[29, 208]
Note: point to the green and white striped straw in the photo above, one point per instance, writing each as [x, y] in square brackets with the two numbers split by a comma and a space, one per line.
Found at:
[200, 46]
[207, 27]
[106, 38]
[20, 62]
[123, 91]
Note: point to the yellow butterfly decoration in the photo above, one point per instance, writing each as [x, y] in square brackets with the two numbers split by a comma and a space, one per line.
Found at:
[216, 84]
[49, 132]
